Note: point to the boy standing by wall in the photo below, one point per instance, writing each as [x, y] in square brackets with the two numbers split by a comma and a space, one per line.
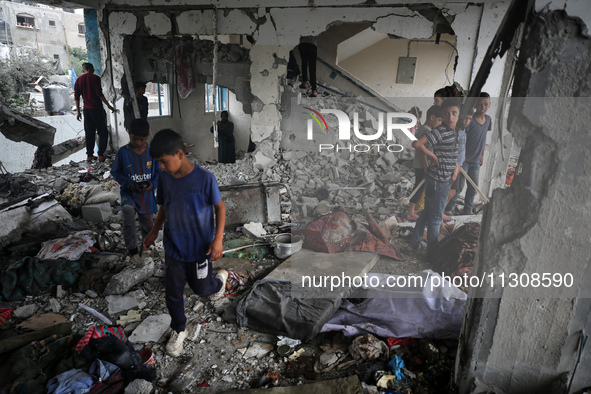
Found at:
[137, 173]
[458, 185]
[420, 161]
[188, 196]
[475, 144]
[441, 171]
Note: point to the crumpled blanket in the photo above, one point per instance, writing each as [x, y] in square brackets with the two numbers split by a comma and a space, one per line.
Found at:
[69, 248]
[30, 275]
[336, 233]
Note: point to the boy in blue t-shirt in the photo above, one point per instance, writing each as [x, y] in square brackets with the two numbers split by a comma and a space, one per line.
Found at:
[188, 196]
[137, 173]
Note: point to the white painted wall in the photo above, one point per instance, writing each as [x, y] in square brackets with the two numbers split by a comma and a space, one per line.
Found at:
[377, 67]
[194, 124]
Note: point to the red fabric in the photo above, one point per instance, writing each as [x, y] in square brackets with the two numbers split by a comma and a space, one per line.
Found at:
[399, 341]
[5, 314]
[335, 233]
[99, 332]
[115, 384]
[185, 79]
[89, 86]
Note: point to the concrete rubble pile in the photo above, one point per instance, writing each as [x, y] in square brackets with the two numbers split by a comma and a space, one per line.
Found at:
[374, 181]
[109, 290]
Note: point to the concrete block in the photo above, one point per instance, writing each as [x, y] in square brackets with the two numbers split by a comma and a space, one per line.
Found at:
[45, 218]
[118, 304]
[24, 312]
[151, 330]
[12, 224]
[97, 212]
[129, 277]
[139, 386]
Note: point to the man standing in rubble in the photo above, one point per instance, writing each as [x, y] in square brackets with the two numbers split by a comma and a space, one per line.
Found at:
[88, 85]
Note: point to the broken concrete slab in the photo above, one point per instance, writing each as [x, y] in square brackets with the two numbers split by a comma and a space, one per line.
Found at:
[97, 212]
[151, 330]
[308, 264]
[19, 127]
[39, 322]
[252, 202]
[45, 218]
[67, 148]
[349, 385]
[12, 225]
[129, 277]
[24, 312]
[119, 304]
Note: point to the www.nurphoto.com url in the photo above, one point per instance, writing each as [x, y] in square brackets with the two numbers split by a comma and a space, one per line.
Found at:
[535, 280]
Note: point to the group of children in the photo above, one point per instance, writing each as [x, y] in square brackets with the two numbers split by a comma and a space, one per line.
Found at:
[188, 196]
[445, 143]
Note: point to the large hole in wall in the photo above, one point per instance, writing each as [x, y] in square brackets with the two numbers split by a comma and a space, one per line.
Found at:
[184, 66]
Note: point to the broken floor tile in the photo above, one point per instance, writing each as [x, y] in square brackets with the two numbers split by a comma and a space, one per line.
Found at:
[152, 329]
[118, 304]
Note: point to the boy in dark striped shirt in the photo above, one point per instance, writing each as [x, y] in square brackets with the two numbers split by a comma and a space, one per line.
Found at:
[440, 174]
[137, 173]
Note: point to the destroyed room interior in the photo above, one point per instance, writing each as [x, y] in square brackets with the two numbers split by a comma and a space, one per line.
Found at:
[295, 196]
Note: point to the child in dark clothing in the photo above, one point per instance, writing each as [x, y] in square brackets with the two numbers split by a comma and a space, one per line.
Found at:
[137, 173]
[188, 196]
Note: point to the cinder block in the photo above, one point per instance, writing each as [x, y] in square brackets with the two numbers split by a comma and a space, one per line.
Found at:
[97, 212]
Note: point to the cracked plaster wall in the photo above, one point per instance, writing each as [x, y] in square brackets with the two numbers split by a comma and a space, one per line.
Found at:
[275, 33]
[527, 340]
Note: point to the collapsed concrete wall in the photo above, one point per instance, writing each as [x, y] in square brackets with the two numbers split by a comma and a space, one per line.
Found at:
[275, 33]
[538, 227]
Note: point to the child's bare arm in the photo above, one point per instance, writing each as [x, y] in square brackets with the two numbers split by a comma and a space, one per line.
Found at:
[153, 234]
[216, 248]
[421, 146]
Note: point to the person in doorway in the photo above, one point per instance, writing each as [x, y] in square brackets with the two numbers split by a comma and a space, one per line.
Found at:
[188, 196]
[137, 173]
[420, 161]
[226, 140]
[88, 85]
[308, 53]
[142, 104]
[441, 171]
[475, 144]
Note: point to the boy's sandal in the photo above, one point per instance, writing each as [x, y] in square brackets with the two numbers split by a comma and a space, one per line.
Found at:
[313, 94]
[420, 247]
[446, 218]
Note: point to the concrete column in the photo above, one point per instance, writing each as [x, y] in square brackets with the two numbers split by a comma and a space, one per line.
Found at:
[528, 339]
[269, 65]
[93, 44]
